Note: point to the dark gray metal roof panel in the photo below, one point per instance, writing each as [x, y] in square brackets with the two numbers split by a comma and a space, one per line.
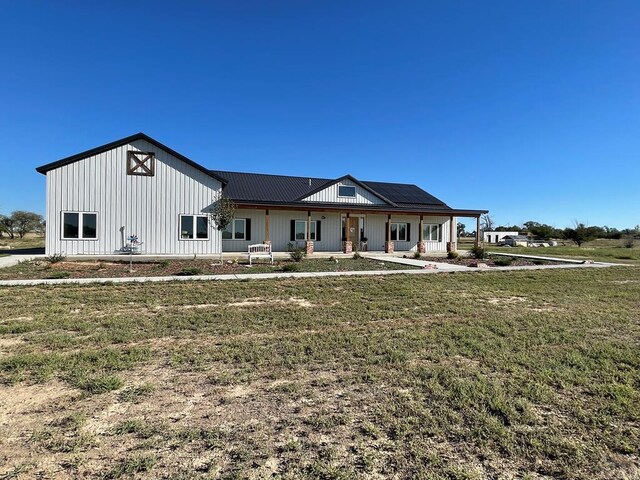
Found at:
[283, 188]
[404, 193]
[264, 187]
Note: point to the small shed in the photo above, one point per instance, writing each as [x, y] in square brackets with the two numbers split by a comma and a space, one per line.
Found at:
[496, 237]
[516, 240]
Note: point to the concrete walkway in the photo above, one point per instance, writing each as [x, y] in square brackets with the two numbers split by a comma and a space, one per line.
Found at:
[11, 260]
[266, 276]
[414, 262]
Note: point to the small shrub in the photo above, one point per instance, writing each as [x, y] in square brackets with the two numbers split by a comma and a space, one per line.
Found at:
[535, 261]
[356, 255]
[628, 241]
[101, 265]
[290, 267]
[190, 271]
[503, 261]
[297, 254]
[56, 257]
[417, 255]
[452, 254]
[59, 274]
[478, 252]
[163, 264]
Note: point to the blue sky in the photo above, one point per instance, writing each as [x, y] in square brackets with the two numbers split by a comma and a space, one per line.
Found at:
[530, 109]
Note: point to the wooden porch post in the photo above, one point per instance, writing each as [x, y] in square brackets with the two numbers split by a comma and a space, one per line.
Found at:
[266, 227]
[451, 246]
[389, 228]
[388, 245]
[477, 230]
[309, 242]
[347, 244]
[421, 247]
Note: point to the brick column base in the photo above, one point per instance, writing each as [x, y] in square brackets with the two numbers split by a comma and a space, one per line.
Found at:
[388, 247]
[308, 245]
[422, 247]
[347, 247]
[451, 246]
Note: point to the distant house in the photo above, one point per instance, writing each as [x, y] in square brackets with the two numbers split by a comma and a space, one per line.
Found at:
[98, 198]
[516, 240]
[496, 237]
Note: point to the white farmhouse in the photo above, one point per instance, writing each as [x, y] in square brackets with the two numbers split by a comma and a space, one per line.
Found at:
[137, 186]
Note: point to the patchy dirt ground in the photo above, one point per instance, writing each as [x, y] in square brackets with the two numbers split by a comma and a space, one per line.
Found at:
[490, 375]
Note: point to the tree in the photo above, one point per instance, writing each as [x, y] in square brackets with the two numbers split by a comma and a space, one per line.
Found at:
[581, 233]
[486, 223]
[8, 226]
[507, 228]
[222, 213]
[26, 222]
[460, 229]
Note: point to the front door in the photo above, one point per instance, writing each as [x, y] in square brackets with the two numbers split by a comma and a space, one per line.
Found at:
[353, 230]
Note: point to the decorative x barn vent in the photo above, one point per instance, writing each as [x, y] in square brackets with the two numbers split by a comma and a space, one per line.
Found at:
[140, 163]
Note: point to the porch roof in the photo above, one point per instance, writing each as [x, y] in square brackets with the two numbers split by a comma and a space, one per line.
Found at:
[356, 208]
[258, 190]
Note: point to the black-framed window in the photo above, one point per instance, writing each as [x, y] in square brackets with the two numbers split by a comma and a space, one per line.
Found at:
[194, 227]
[238, 229]
[346, 191]
[432, 232]
[79, 225]
[399, 232]
[299, 230]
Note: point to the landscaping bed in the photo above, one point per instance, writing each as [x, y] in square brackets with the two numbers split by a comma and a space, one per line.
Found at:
[43, 269]
[493, 261]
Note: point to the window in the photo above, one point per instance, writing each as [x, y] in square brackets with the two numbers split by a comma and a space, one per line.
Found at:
[432, 232]
[236, 230]
[346, 191]
[79, 226]
[194, 227]
[399, 232]
[299, 230]
[140, 163]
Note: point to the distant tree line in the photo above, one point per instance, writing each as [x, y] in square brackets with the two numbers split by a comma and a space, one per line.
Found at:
[19, 223]
[578, 233]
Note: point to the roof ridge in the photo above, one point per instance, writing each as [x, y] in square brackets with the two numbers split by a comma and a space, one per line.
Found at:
[270, 174]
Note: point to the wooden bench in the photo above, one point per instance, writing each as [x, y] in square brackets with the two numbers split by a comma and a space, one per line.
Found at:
[260, 250]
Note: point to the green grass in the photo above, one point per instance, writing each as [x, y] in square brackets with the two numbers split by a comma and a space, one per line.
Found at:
[527, 374]
[30, 241]
[602, 250]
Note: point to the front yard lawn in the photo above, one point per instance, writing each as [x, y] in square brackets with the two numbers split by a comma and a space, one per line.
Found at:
[527, 374]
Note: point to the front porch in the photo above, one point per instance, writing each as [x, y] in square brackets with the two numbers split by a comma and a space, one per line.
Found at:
[334, 232]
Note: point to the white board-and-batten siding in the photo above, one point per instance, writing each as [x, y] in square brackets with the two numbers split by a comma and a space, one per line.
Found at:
[330, 195]
[148, 206]
[331, 234]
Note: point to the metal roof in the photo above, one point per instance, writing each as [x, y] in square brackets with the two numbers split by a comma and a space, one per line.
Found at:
[261, 187]
[265, 189]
